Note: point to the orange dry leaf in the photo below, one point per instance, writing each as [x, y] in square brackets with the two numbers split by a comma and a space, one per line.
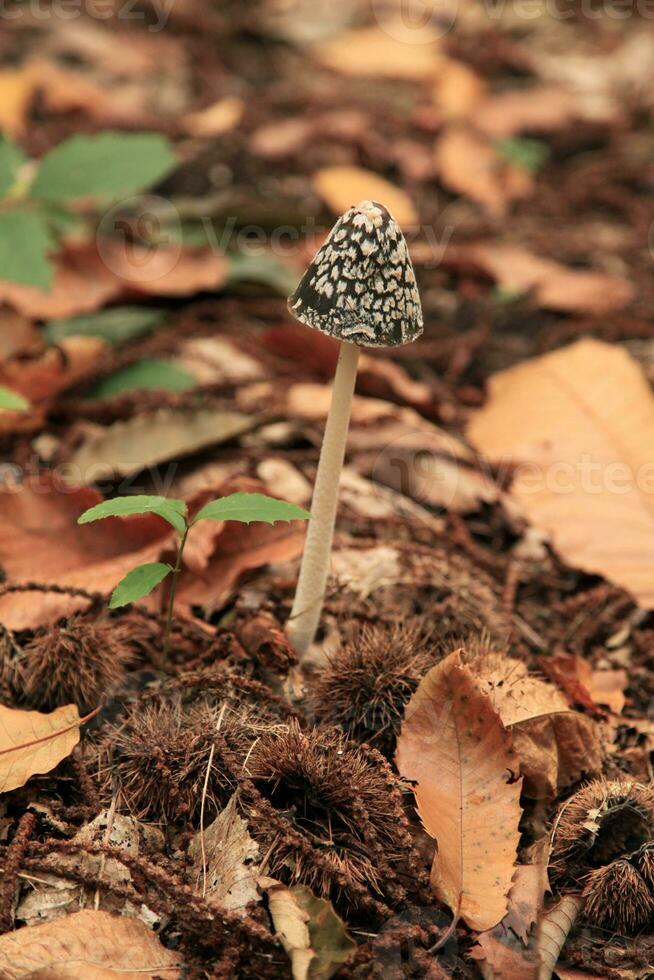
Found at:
[54, 369]
[455, 748]
[391, 50]
[32, 742]
[586, 686]
[554, 286]
[457, 89]
[578, 424]
[91, 944]
[17, 88]
[164, 271]
[467, 163]
[341, 187]
[216, 119]
[41, 541]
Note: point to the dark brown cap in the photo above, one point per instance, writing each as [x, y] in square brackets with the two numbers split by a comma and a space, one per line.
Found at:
[360, 286]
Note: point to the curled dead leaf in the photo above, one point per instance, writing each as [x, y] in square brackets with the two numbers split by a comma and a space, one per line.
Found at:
[468, 164]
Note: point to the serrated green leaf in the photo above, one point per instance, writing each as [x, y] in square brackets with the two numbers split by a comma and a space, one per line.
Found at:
[116, 325]
[107, 165]
[172, 511]
[150, 374]
[24, 245]
[11, 158]
[248, 507]
[139, 583]
[12, 401]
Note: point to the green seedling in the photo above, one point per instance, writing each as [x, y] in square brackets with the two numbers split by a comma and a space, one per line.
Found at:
[140, 582]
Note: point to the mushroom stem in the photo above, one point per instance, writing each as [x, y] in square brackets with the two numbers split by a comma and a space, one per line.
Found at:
[310, 593]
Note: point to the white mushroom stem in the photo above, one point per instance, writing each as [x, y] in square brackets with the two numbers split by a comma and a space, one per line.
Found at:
[310, 593]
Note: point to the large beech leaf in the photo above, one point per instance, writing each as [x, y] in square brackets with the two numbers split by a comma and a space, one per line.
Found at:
[90, 944]
[579, 425]
[455, 748]
[32, 742]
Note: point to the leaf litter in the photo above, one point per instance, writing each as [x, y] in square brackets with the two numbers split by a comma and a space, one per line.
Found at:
[232, 815]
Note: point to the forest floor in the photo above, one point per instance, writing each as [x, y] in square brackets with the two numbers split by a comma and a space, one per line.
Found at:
[226, 812]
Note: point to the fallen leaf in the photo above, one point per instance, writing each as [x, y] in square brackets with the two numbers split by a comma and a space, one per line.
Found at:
[455, 748]
[224, 858]
[468, 164]
[82, 283]
[151, 438]
[41, 541]
[158, 271]
[554, 286]
[553, 930]
[216, 119]
[281, 138]
[32, 742]
[17, 335]
[457, 89]
[394, 50]
[343, 186]
[312, 934]
[515, 694]
[539, 109]
[54, 369]
[586, 686]
[577, 423]
[95, 945]
[217, 360]
[17, 90]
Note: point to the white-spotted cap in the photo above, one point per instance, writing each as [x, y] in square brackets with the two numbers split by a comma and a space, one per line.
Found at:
[360, 286]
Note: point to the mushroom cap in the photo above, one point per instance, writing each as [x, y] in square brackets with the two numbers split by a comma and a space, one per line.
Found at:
[360, 286]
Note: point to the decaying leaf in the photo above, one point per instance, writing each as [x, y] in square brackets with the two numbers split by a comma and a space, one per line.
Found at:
[455, 748]
[54, 369]
[89, 944]
[32, 742]
[586, 686]
[312, 934]
[553, 930]
[553, 285]
[224, 860]
[340, 187]
[582, 456]
[469, 164]
[152, 438]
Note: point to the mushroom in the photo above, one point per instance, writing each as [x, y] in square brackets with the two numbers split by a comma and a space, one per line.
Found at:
[360, 289]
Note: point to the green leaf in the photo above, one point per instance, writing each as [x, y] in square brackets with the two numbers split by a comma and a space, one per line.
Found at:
[139, 583]
[12, 401]
[11, 158]
[248, 507]
[265, 270]
[116, 325]
[151, 374]
[24, 245]
[526, 153]
[172, 511]
[107, 165]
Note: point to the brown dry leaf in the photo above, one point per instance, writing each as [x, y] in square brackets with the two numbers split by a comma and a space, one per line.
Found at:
[586, 686]
[281, 138]
[165, 271]
[553, 930]
[217, 360]
[554, 286]
[343, 186]
[458, 90]
[32, 742]
[540, 109]
[82, 284]
[454, 746]
[312, 934]
[53, 369]
[151, 438]
[516, 694]
[468, 164]
[17, 334]
[17, 88]
[394, 50]
[93, 945]
[223, 858]
[40, 540]
[578, 423]
[216, 119]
